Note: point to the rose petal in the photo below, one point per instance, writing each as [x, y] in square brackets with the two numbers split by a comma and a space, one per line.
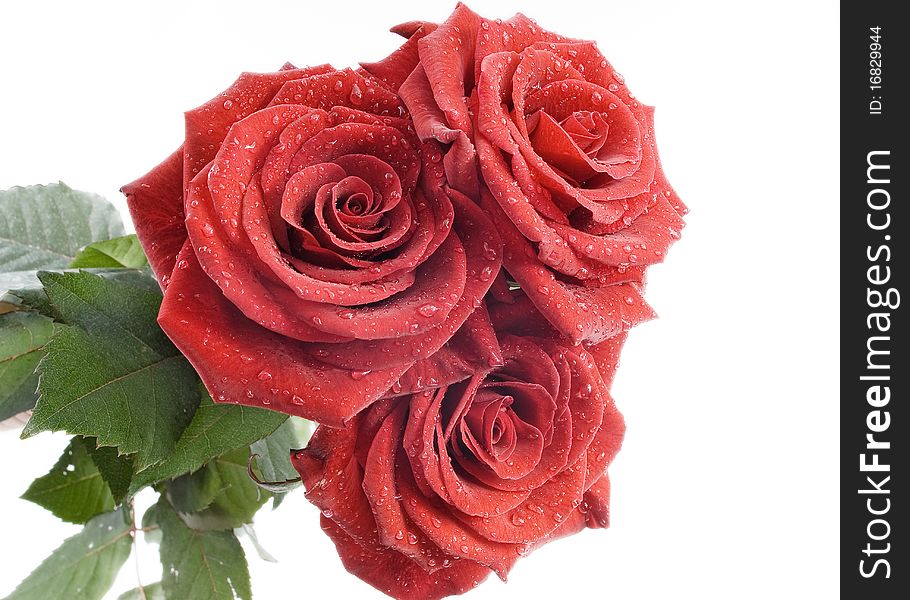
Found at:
[579, 313]
[396, 575]
[432, 516]
[597, 504]
[546, 507]
[474, 348]
[266, 369]
[207, 125]
[394, 528]
[606, 443]
[482, 250]
[155, 201]
[395, 68]
[340, 89]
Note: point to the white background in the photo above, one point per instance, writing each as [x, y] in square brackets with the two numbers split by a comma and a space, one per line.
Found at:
[726, 484]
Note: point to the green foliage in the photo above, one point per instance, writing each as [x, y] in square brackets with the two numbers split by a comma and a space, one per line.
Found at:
[73, 489]
[22, 339]
[112, 373]
[80, 346]
[45, 226]
[85, 565]
[119, 252]
[229, 495]
[273, 454]
[214, 430]
[152, 591]
[116, 470]
[200, 565]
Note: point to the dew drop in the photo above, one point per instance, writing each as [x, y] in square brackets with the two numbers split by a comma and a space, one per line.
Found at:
[428, 310]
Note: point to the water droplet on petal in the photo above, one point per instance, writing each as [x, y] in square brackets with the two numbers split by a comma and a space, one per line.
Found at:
[428, 310]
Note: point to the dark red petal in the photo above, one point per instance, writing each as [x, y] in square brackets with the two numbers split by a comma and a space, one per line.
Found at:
[238, 268]
[394, 574]
[447, 57]
[430, 122]
[520, 317]
[207, 126]
[155, 201]
[434, 517]
[474, 348]
[513, 35]
[393, 526]
[596, 504]
[333, 479]
[579, 313]
[606, 355]
[425, 446]
[471, 497]
[643, 242]
[623, 148]
[587, 396]
[606, 442]
[546, 507]
[328, 467]
[340, 89]
[409, 28]
[266, 369]
[482, 250]
[396, 67]
[553, 249]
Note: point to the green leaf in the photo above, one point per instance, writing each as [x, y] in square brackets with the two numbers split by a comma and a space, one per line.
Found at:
[202, 565]
[214, 430]
[22, 339]
[73, 489]
[44, 226]
[152, 591]
[151, 526]
[193, 492]
[220, 495]
[84, 566]
[99, 306]
[30, 294]
[113, 374]
[273, 454]
[116, 470]
[112, 254]
[235, 498]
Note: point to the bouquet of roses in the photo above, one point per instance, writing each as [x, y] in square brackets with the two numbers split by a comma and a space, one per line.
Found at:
[436, 257]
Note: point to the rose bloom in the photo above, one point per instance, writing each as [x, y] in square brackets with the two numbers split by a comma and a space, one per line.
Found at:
[425, 495]
[568, 163]
[312, 257]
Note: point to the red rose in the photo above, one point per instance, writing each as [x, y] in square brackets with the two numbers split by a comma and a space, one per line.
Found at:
[425, 495]
[313, 258]
[566, 152]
